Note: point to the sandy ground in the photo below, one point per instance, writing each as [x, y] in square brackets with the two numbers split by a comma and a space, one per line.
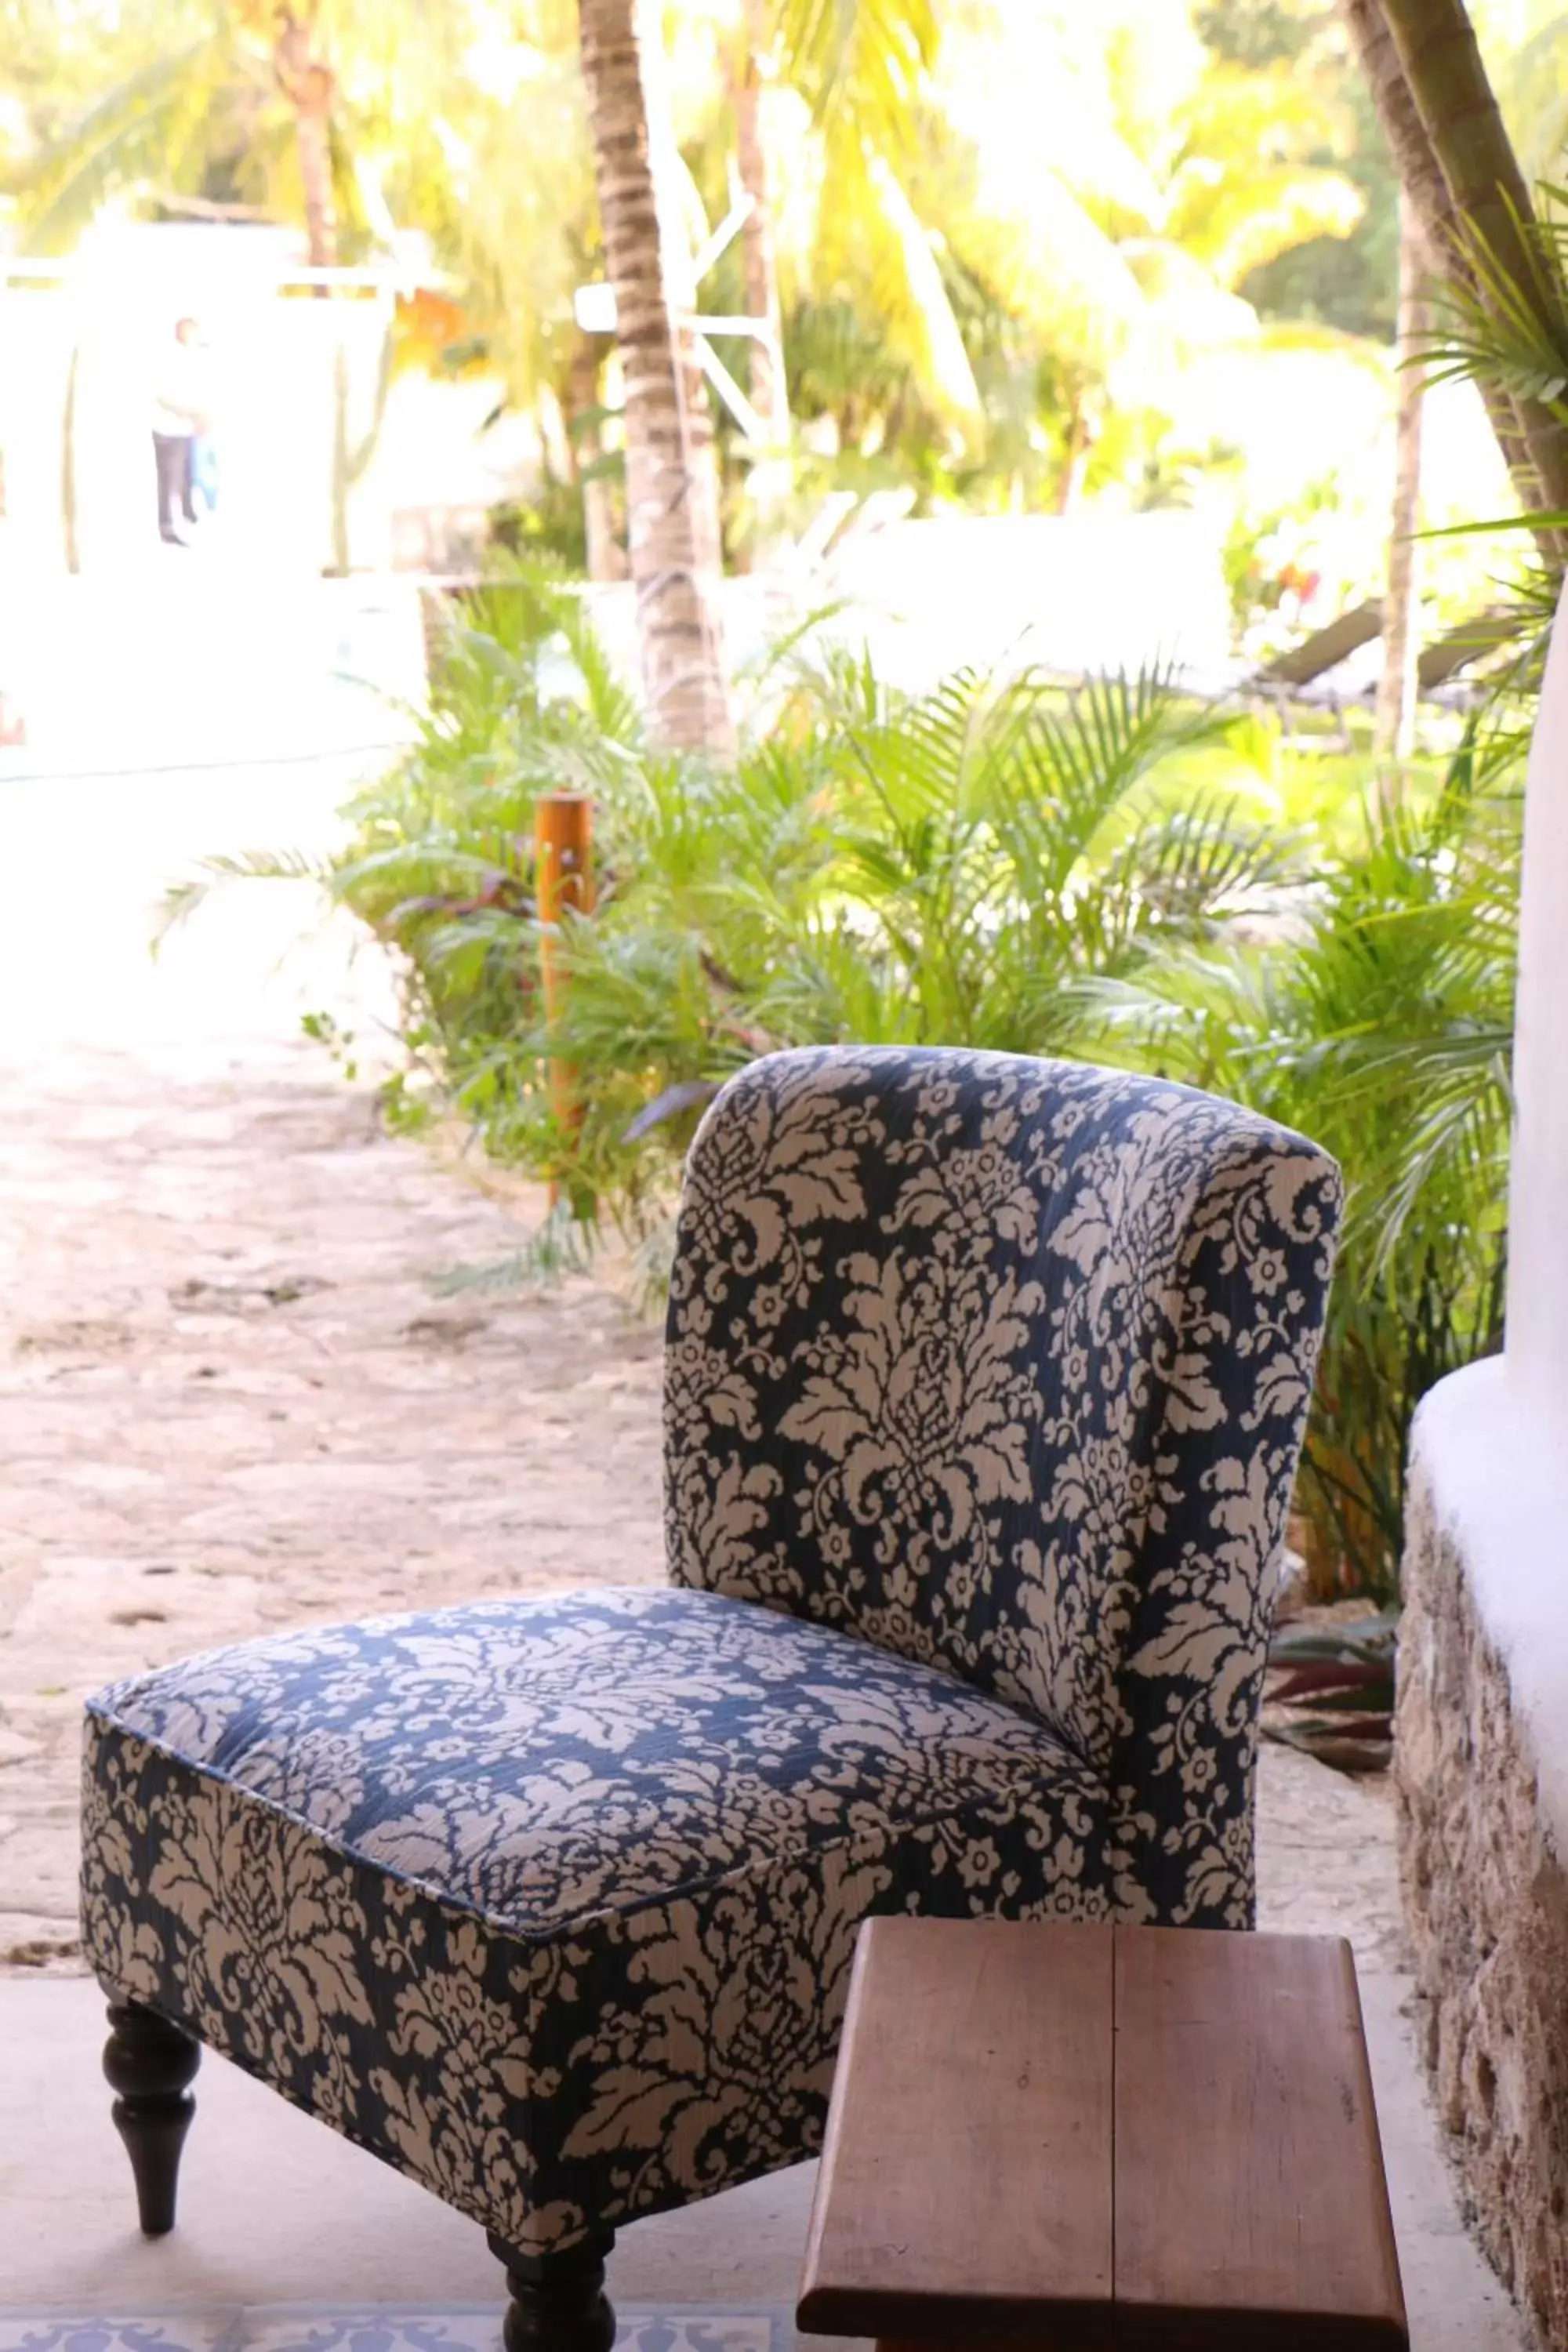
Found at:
[231, 1395]
[229, 1401]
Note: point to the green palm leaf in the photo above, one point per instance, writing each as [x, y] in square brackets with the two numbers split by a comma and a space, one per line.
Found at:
[138, 134]
[859, 63]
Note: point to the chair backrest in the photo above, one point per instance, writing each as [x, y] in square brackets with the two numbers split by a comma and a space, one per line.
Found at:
[1000, 1363]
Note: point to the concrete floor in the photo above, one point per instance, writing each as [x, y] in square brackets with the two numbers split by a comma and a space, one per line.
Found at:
[277, 2210]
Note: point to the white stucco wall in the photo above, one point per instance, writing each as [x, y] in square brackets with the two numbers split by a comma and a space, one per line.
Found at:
[1490, 1444]
[1538, 1206]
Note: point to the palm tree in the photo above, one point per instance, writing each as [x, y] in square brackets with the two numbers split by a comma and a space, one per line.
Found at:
[864, 75]
[1112, 206]
[229, 90]
[1021, 182]
[1393, 721]
[306, 81]
[673, 483]
[1472, 210]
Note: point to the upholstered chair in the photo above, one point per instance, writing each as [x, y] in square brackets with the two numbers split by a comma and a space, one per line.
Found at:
[985, 1382]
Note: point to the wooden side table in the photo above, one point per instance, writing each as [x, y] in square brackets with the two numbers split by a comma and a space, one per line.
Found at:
[1102, 2139]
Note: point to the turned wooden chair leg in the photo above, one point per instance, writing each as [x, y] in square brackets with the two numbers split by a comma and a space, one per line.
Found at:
[149, 2063]
[558, 2301]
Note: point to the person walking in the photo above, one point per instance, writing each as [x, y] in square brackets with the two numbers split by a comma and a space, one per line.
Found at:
[179, 413]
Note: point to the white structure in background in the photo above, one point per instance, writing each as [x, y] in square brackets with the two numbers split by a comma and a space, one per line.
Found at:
[1482, 1749]
[595, 311]
[236, 646]
[1091, 591]
[112, 305]
[1538, 1212]
[1492, 1441]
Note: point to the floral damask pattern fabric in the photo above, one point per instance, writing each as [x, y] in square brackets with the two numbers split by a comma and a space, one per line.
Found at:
[1003, 1364]
[985, 1377]
[552, 1904]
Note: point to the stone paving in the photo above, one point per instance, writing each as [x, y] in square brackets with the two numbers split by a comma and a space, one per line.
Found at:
[230, 1401]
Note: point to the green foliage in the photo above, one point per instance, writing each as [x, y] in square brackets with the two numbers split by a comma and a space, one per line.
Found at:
[1507, 329]
[956, 867]
[1094, 185]
[858, 64]
[997, 229]
[550, 524]
[150, 99]
[998, 862]
[1333, 1688]
[1346, 281]
[153, 124]
[1378, 1017]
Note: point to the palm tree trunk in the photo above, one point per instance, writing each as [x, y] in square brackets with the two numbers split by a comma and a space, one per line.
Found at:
[316, 176]
[1448, 83]
[672, 481]
[769, 396]
[1420, 174]
[1393, 721]
[310, 87]
[1422, 184]
[68, 465]
[1075, 452]
[1454, 103]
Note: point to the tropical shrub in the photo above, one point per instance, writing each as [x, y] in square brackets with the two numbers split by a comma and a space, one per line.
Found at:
[1332, 1690]
[1380, 1021]
[1002, 863]
[957, 868]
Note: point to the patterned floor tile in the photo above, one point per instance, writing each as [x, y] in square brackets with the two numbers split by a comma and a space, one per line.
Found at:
[312, 2328]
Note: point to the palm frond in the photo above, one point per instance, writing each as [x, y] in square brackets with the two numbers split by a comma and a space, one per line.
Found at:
[182, 899]
[134, 136]
[859, 63]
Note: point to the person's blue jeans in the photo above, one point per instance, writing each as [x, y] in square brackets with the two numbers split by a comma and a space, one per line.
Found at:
[204, 470]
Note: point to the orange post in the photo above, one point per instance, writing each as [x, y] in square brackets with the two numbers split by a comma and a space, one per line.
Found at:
[564, 881]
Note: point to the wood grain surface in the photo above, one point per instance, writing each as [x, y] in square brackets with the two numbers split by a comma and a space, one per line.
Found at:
[1095, 2139]
[1250, 2183]
[966, 2179]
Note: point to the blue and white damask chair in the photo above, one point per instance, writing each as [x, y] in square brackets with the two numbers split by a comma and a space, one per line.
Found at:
[984, 1391]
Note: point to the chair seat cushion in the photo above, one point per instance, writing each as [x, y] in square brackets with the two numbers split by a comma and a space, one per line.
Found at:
[550, 1904]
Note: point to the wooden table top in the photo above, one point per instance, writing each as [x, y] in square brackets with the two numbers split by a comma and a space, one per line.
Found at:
[1088, 2139]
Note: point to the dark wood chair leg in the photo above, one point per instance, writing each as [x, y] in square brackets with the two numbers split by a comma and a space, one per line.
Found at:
[558, 2301]
[149, 2063]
